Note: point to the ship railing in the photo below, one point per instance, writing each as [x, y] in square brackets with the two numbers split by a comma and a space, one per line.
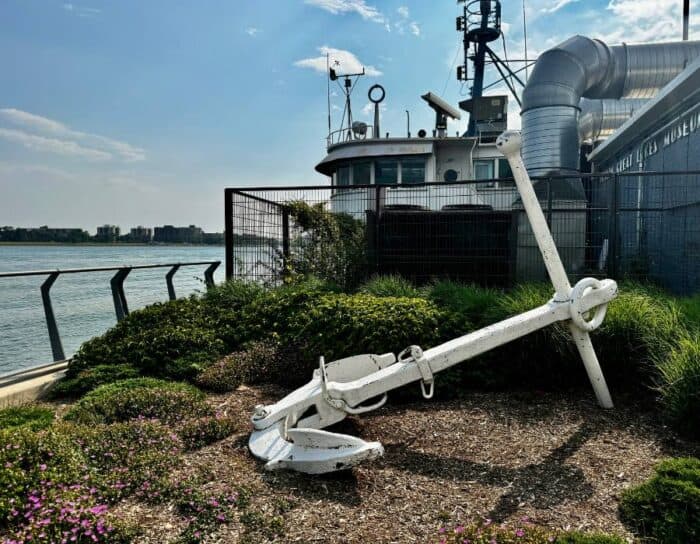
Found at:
[121, 307]
[348, 135]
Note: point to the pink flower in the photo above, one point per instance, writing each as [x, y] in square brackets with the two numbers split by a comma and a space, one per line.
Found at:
[519, 533]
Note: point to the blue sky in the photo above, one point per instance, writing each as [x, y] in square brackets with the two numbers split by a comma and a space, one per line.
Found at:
[141, 112]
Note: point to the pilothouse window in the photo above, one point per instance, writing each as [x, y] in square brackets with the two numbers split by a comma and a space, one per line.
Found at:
[412, 171]
[344, 175]
[483, 170]
[386, 172]
[362, 173]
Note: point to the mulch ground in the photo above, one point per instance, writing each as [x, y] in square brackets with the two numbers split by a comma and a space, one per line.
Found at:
[554, 458]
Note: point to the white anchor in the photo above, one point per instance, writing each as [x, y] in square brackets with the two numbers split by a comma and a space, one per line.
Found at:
[288, 433]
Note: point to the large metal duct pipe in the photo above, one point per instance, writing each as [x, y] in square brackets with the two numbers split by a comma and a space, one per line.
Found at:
[582, 67]
[598, 119]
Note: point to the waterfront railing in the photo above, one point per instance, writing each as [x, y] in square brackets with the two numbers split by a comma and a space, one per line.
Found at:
[121, 307]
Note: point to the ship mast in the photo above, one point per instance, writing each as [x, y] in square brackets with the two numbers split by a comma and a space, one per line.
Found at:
[480, 25]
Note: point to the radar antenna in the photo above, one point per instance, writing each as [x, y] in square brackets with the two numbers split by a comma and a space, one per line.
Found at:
[481, 24]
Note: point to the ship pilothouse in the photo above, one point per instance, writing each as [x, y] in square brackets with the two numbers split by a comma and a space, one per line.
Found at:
[359, 154]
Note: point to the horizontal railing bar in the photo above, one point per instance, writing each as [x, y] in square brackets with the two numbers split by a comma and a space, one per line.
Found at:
[101, 269]
[595, 175]
[34, 371]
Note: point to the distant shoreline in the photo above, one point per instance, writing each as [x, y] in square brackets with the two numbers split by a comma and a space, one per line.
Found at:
[103, 244]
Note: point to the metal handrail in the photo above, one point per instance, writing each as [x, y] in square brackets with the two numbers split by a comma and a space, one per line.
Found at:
[121, 307]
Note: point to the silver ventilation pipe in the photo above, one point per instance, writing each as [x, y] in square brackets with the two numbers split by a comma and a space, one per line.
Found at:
[582, 67]
[598, 119]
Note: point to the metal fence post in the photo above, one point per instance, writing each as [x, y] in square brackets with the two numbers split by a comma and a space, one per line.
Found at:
[549, 202]
[286, 248]
[54, 336]
[209, 274]
[613, 229]
[169, 281]
[228, 234]
[117, 283]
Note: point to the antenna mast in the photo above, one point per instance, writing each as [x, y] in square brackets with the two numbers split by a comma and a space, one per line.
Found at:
[347, 87]
[481, 24]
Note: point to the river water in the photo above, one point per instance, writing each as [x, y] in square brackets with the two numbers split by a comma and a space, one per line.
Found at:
[83, 302]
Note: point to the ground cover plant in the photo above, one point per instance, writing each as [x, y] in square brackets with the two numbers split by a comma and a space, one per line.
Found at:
[487, 532]
[667, 507]
[59, 482]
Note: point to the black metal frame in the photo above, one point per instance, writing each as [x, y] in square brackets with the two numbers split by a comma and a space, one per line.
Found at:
[610, 213]
[117, 286]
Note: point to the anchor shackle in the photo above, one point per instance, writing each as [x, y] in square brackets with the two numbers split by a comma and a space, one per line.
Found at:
[577, 314]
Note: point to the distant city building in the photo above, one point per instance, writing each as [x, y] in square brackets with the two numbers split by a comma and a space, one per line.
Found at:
[108, 233]
[213, 238]
[43, 234]
[168, 234]
[140, 235]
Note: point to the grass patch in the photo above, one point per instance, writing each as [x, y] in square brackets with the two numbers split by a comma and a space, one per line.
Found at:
[390, 286]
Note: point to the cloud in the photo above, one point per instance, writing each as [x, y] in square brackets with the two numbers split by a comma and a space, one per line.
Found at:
[559, 4]
[252, 31]
[338, 7]
[403, 12]
[414, 28]
[45, 129]
[81, 11]
[52, 145]
[343, 61]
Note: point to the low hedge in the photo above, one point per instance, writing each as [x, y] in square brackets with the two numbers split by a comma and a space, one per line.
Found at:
[141, 398]
[667, 507]
[181, 340]
[31, 417]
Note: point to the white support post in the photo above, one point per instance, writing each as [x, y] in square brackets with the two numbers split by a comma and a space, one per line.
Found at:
[509, 143]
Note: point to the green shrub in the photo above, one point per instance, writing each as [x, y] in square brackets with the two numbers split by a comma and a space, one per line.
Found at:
[200, 432]
[332, 246]
[526, 533]
[390, 286]
[339, 326]
[667, 507]
[33, 418]
[154, 339]
[261, 362]
[223, 304]
[88, 379]
[139, 398]
[27, 458]
[680, 385]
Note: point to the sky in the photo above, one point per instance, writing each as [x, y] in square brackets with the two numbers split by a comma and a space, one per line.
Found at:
[134, 112]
